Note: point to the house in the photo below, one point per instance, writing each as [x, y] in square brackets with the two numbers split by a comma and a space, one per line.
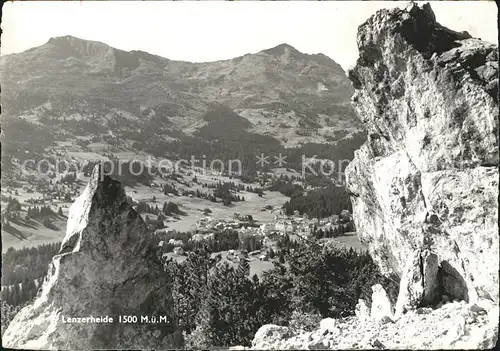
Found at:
[178, 251]
[160, 243]
[176, 242]
[161, 231]
[296, 213]
[197, 237]
[267, 228]
[241, 257]
[209, 236]
[285, 226]
[334, 219]
[345, 216]
[246, 218]
[264, 257]
[234, 225]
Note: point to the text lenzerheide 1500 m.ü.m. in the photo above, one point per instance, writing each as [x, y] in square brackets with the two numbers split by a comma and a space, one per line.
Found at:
[125, 319]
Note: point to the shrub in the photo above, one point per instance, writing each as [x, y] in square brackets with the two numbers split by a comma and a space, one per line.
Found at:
[301, 321]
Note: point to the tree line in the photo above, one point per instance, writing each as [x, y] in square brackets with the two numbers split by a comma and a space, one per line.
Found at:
[333, 231]
[169, 208]
[320, 203]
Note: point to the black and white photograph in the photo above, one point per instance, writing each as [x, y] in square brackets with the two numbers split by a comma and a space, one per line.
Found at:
[249, 175]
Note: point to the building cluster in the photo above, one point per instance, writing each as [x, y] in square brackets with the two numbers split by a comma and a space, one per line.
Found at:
[281, 225]
[222, 224]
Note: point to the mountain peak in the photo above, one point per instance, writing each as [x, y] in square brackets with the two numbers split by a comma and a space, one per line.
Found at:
[63, 37]
[281, 50]
[105, 256]
[69, 45]
[72, 39]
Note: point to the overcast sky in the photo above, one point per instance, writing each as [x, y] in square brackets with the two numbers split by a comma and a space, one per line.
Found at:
[213, 30]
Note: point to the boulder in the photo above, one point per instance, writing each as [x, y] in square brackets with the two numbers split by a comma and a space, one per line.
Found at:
[269, 334]
[381, 305]
[362, 310]
[327, 325]
[456, 331]
[377, 344]
[106, 267]
[427, 177]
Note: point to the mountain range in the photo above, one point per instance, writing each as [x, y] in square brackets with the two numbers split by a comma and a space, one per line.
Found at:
[73, 88]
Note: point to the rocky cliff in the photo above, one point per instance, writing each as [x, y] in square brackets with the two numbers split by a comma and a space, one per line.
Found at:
[424, 190]
[425, 184]
[106, 267]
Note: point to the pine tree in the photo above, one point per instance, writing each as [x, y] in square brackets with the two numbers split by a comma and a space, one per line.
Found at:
[281, 257]
[271, 253]
[330, 232]
[244, 268]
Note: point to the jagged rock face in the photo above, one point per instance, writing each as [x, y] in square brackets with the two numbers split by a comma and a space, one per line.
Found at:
[106, 267]
[427, 178]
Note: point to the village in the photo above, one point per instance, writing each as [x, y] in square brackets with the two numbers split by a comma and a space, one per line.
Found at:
[243, 238]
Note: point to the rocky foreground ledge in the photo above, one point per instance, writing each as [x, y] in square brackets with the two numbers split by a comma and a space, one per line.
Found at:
[455, 325]
[105, 267]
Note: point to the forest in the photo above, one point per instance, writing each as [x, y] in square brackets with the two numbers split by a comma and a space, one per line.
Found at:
[23, 270]
[218, 305]
[320, 203]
